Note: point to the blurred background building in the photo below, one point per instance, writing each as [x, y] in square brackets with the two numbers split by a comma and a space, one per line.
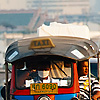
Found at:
[60, 7]
[21, 18]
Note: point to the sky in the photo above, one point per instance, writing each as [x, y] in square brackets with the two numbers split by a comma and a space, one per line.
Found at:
[95, 4]
[21, 4]
[12, 4]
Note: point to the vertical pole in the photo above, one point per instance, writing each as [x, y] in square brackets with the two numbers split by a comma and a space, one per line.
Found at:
[98, 66]
[6, 76]
[89, 79]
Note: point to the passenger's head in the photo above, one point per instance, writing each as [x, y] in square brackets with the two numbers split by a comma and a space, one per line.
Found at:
[83, 68]
[43, 69]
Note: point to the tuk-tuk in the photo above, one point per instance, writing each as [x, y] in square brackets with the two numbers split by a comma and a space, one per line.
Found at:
[59, 54]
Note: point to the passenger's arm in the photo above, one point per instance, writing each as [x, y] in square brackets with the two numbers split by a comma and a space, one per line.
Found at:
[96, 95]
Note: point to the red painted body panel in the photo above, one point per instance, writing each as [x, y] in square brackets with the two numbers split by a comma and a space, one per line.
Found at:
[73, 89]
[12, 87]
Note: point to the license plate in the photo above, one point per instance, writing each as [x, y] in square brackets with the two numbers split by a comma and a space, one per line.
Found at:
[44, 88]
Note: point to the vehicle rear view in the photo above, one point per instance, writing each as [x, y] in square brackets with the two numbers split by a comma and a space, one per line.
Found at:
[45, 68]
[61, 81]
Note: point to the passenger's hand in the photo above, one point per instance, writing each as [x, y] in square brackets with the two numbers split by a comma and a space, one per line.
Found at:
[96, 96]
[94, 99]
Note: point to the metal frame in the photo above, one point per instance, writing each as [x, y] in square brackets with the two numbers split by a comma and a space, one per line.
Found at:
[6, 84]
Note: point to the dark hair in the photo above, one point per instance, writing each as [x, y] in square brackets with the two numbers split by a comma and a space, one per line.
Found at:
[79, 64]
[43, 65]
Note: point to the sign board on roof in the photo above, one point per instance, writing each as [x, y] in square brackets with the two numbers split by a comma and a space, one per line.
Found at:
[41, 43]
[58, 29]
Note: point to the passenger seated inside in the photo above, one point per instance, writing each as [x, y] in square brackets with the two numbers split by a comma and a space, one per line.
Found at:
[45, 72]
[41, 74]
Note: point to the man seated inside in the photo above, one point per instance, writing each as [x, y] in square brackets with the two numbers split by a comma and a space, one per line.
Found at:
[43, 73]
[84, 82]
[40, 74]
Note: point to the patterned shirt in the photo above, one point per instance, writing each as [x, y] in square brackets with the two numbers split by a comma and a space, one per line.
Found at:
[84, 87]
